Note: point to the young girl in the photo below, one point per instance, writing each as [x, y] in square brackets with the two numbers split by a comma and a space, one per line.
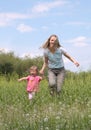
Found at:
[33, 81]
[53, 52]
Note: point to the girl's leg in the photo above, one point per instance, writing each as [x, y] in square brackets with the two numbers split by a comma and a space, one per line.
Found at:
[60, 80]
[31, 95]
[52, 81]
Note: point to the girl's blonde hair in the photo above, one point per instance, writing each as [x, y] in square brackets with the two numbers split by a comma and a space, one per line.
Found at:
[47, 43]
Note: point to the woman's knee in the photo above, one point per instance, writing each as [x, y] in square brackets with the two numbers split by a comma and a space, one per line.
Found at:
[52, 84]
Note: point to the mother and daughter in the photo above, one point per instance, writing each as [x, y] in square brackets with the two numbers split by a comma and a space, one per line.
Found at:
[53, 61]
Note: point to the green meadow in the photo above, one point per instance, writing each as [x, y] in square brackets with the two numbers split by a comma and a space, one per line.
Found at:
[70, 111]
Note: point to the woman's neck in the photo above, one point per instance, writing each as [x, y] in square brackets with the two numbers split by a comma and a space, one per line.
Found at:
[52, 50]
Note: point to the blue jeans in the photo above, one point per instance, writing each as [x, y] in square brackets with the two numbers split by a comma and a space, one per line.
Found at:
[56, 78]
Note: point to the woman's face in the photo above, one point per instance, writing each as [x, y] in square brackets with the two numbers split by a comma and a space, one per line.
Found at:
[52, 41]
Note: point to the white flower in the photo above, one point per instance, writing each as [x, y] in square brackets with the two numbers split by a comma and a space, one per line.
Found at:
[46, 119]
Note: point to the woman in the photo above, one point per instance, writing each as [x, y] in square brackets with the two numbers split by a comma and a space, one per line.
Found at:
[53, 52]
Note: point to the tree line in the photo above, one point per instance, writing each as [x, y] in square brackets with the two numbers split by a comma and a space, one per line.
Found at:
[15, 65]
[9, 64]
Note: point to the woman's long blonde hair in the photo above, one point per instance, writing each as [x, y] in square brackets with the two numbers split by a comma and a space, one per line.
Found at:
[47, 43]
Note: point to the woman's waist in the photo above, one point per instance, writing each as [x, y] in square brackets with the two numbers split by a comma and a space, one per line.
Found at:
[59, 68]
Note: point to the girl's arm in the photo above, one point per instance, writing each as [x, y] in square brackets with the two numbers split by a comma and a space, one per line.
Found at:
[71, 59]
[44, 65]
[23, 78]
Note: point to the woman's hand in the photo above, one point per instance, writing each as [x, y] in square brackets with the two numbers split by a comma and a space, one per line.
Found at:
[76, 63]
[41, 72]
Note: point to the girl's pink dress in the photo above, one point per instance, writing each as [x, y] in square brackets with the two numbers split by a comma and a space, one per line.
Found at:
[33, 83]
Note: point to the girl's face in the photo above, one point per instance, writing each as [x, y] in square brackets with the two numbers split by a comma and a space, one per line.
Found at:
[52, 41]
[33, 72]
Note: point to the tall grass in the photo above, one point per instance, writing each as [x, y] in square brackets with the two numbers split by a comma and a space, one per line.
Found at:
[70, 111]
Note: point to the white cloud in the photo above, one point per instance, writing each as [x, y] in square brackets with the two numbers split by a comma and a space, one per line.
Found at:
[46, 6]
[12, 16]
[7, 18]
[4, 20]
[80, 41]
[80, 49]
[4, 23]
[4, 50]
[32, 54]
[24, 28]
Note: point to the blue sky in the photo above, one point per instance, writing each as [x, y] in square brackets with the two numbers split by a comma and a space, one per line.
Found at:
[26, 24]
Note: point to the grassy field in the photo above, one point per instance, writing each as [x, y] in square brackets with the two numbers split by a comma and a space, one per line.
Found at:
[70, 111]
